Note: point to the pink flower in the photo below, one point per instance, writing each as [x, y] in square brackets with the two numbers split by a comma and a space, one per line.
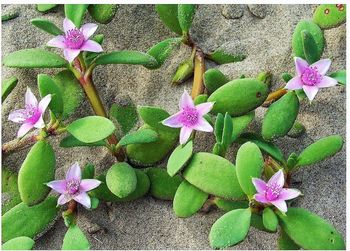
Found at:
[75, 40]
[273, 192]
[311, 78]
[73, 187]
[32, 115]
[190, 117]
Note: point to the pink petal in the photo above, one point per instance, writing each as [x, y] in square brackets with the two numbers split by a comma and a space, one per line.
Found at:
[24, 129]
[57, 42]
[88, 30]
[261, 198]
[204, 108]
[300, 65]
[185, 134]
[294, 84]
[58, 185]
[327, 82]
[18, 116]
[90, 45]
[203, 126]
[40, 123]
[260, 185]
[63, 199]
[44, 103]
[68, 25]
[83, 199]
[88, 184]
[289, 193]
[310, 91]
[186, 101]
[277, 178]
[322, 65]
[30, 99]
[173, 121]
[74, 172]
[71, 54]
[280, 204]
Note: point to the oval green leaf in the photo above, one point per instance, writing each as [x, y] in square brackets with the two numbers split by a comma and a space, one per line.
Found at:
[9, 185]
[18, 243]
[328, 16]
[340, 76]
[240, 124]
[103, 13]
[139, 137]
[75, 12]
[7, 87]
[270, 219]
[48, 86]
[310, 47]
[163, 50]
[229, 205]
[121, 179]
[220, 56]
[45, 7]
[74, 239]
[179, 158]
[214, 79]
[71, 141]
[153, 116]
[285, 242]
[185, 13]
[168, 14]
[46, 26]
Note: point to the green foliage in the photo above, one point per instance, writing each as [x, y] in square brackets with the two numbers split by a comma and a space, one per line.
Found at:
[39, 163]
[18, 243]
[292, 160]
[89, 56]
[121, 179]
[229, 98]
[230, 229]
[188, 200]
[179, 158]
[10, 187]
[312, 54]
[103, 13]
[329, 16]
[168, 13]
[240, 124]
[71, 141]
[265, 77]
[48, 86]
[286, 77]
[162, 51]
[285, 242]
[229, 205]
[9, 16]
[75, 12]
[223, 133]
[153, 116]
[46, 26]
[7, 87]
[34, 58]
[139, 137]
[184, 71]
[88, 172]
[45, 7]
[75, 239]
[200, 99]
[340, 76]
[297, 130]
[270, 219]
[220, 56]
[91, 128]
[185, 14]
[214, 79]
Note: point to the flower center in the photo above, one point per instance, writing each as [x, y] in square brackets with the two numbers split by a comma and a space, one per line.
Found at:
[72, 186]
[311, 76]
[272, 191]
[32, 114]
[189, 116]
[74, 39]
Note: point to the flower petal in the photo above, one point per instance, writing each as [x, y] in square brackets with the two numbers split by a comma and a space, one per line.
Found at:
[90, 45]
[24, 129]
[185, 134]
[58, 185]
[261, 198]
[74, 172]
[30, 99]
[173, 121]
[68, 25]
[203, 125]
[280, 204]
[63, 199]
[277, 178]
[84, 199]
[310, 91]
[322, 66]
[57, 42]
[40, 123]
[300, 65]
[294, 84]
[259, 185]
[88, 30]
[70, 54]
[327, 82]
[204, 108]
[17, 116]
[186, 101]
[288, 194]
[44, 103]
[88, 184]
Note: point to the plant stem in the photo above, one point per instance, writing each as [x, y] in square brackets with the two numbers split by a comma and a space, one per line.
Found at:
[199, 69]
[274, 96]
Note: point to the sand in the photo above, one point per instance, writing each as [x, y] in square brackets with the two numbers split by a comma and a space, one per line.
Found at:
[263, 33]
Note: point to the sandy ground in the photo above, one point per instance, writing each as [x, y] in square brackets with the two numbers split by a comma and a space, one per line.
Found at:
[149, 223]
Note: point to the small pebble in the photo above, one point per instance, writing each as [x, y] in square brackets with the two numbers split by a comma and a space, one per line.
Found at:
[259, 10]
[233, 11]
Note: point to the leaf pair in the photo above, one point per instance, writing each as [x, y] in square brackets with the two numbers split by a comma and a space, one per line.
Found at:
[223, 133]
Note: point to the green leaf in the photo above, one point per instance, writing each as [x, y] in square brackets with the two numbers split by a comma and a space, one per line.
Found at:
[48, 86]
[45, 7]
[75, 239]
[227, 131]
[168, 13]
[127, 57]
[139, 137]
[153, 116]
[183, 72]
[103, 13]
[46, 26]
[229, 205]
[9, 187]
[221, 56]
[312, 54]
[34, 58]
[230, 229]
[188, 200]
[286, 77]
[270, 220]
[320, 150]
[91, 129]
[214, 79]
[7, 87]
[340, 76]
[200, 99]
[179, 158]
[75, 12]
[256, 221]
[22, 220]
[9, 16]
[121, 179]
[71, 141]
[297, 130]
[249, 164]
[265, 77]
[94, 202]
[39, 163]
[285, 242]
[309, 231]
[185, 13]
[163, 50]
[292, 161]
[240, 124]
[218, 128]
[88, 172]
[329, 16]
[18, 243]
[163, 186]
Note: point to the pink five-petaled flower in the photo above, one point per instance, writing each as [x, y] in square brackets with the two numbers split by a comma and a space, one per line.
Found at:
[73, 187]
[273, 192]
[32, 115]
[75, 40]
[311, 78]
[190, 117]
